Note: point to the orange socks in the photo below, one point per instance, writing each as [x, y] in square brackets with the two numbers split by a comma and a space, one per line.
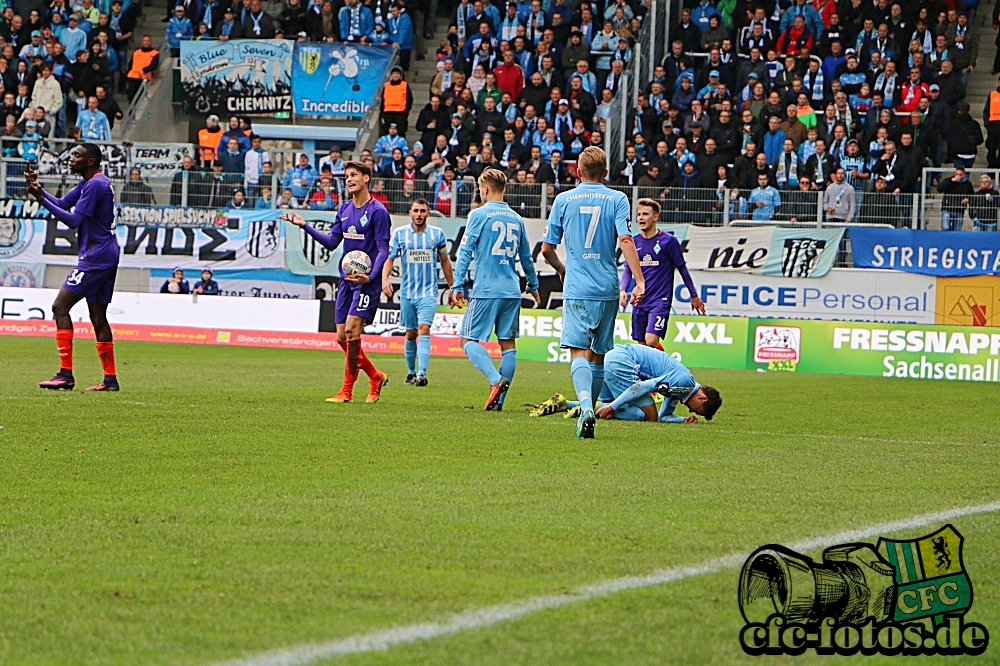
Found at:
[64, 343]
[351, 351]
[106, 352]
[365, 363]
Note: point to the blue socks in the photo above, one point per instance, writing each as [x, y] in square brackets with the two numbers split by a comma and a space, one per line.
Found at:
[423, 351]
[411, 356]
[481, 360]
[583, 382]
[508, 366]
[597, 370]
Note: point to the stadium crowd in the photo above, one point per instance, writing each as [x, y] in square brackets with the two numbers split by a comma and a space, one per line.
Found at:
[841, 101]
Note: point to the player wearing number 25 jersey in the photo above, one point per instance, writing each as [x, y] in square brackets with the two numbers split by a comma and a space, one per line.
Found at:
[589, 220]
[495, 239]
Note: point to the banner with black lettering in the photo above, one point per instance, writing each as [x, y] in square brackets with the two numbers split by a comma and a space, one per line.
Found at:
[242, 76]
[773, 251]
[161, 159]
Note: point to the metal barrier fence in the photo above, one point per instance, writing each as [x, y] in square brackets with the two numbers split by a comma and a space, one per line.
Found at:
[948, 212]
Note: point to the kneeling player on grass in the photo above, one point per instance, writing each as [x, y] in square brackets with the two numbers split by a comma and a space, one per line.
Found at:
[660, 254]
[94, 276]
[494, 238]
[632, 372]
[419, 246]
[362, 224]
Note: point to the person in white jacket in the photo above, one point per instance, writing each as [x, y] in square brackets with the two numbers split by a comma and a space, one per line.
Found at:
[48, 95]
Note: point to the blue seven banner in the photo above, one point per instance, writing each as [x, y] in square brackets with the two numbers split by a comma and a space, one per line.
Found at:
[242, 76]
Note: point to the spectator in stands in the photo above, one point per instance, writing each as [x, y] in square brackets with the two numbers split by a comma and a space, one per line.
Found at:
[228, 28]
[764, 199]
[984, 204]
[93, 123]
[239, 200]
[839, 199]
[144, 65]
[136, 192]
[323, 195]
[964, 138]
[387, 143]
[355, 21]
[253, 165]
[108, 106]
[48, 94]
[401, 33]
[235, 131]
[300, 179]
[397, 100]
[206, 285]
[209, 138]
[258, 24]
[264, 201]
[233, 159]
[176, 284]
[335, 161]
[179, 28]
[957, 192]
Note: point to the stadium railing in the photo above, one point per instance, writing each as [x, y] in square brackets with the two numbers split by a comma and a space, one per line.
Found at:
[930, 213]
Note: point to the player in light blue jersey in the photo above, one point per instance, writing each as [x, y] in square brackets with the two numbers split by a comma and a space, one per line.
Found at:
[636, 371]
[419, 246]
[495, 238]
[590, 218]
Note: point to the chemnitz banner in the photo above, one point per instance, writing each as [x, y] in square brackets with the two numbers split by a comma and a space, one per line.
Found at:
[772, 251]
[941, 253]
[337, 79]
[244, 76]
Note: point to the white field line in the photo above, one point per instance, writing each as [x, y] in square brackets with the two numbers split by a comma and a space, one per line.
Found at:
[486, 617]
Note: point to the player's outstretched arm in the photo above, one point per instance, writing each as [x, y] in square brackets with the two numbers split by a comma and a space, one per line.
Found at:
[449, 274]
[386, 272]
[330, 242]
[528, 266]
[632, 261]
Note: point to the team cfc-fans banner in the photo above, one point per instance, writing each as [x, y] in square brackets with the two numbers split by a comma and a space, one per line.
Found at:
[942, 253]
[337, 79]
[244, 76]
[161, 159]
[774, 251]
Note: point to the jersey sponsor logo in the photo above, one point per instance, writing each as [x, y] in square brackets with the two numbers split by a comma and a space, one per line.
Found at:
[262, 239]
[352, 233]
[15, 236]
[649, 261]
[420, 256]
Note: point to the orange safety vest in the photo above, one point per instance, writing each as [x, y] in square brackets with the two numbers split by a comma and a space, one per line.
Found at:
[208, 142]
[140, 61]
[394, 97]
[995, 106]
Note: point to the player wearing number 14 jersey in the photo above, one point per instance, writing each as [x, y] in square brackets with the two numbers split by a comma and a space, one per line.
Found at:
[590, 219]
[495, 238]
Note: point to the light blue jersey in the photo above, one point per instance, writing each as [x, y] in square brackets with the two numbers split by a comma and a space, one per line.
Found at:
[495, 238]
[634, 371]
[591, 217]
[419, 265]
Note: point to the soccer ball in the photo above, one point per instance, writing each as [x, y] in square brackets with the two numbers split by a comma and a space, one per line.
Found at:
[356, 261]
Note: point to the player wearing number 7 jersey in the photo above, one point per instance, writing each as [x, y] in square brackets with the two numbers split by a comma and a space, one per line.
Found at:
[495, 238]
[590, 218]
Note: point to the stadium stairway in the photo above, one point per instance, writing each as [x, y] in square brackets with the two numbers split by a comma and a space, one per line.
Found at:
[981, 81]
[421, 74]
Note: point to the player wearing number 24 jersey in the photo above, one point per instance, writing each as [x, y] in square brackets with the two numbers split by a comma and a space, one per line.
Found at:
[495, 238]
[590, 220]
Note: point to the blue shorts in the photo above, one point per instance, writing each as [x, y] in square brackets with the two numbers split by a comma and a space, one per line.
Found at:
[416, 311]
[96, 284]
[356, 300]
[620, 373]
[650, 320]
[484, 315]
[589, 325]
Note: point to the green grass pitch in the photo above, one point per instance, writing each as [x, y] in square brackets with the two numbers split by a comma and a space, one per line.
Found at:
[217, 507]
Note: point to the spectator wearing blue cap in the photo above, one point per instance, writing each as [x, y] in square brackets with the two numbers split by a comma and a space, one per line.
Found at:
[176, 284]
[206, 285]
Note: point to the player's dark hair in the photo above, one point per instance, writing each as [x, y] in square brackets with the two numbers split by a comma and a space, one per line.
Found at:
[713, 402]
[360, 167]
[650, 203]
[420, 202]
[93, 151]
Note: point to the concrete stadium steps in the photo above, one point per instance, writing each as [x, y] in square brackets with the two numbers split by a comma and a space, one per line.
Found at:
[981, 81]
[421, 74]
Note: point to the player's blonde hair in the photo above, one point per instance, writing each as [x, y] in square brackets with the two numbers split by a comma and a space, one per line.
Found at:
[493, 179]
[592, 163]
[649, 203]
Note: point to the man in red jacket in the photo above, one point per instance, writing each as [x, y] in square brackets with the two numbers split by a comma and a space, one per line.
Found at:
[510, 76]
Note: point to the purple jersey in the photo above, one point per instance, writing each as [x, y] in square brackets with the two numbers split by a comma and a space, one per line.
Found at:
[659, 256]
[93, 218]
[362, 229]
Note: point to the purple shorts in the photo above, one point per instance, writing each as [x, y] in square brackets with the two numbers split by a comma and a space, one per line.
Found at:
[652, 320]
[96, 284]
[356, 300]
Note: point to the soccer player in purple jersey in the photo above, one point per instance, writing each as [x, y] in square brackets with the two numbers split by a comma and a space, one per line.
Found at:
[94, 276]
[660, 254]
[362, 224]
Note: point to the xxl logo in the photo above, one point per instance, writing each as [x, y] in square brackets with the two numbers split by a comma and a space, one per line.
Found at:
[709, 334]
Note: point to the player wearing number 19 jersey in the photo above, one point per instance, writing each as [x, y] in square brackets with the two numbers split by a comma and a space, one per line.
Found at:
[589, 218]
[495, 238]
